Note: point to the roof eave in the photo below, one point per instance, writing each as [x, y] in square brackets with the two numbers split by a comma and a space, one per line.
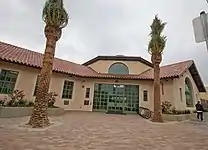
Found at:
[118, 58]
[74, 74]
[197, 78]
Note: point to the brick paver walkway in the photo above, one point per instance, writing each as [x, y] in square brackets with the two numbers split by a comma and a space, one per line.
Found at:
[97, 131]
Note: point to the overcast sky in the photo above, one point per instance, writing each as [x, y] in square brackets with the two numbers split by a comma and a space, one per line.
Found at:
[108, 27]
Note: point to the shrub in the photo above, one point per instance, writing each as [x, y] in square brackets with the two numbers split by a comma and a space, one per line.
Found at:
[51, 99]
[16, 97]
[180, 112]
[2, 102]
[166, 107]
[205, 110]
[22, 103]
[187, 111]
[18, 101]
[30, 104]
[11, 103]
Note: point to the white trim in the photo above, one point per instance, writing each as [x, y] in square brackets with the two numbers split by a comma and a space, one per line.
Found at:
[143, 95]
[69, 99]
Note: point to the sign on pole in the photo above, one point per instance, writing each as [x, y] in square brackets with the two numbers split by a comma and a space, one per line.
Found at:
[198, 29]
[200, 25]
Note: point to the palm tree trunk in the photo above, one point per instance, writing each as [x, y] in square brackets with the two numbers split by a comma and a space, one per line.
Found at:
[157, 117]
[39, 117]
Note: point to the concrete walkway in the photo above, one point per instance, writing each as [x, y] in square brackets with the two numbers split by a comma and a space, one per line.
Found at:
[98, 131]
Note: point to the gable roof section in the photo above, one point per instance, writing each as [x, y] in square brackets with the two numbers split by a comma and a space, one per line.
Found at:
[168, 71]
[197, 79]
[175, 71]
[118, 58]
[14, 54]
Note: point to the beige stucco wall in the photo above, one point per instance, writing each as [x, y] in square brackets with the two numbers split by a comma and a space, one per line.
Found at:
[167, 94]
[180, 104]
[27, 79]
[172, 91]
[79, 90]
[204, 95]
[135, 67]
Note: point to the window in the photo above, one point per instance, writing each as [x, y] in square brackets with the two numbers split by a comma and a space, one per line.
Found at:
[145, 96]
[68, 89]
[188, 93]
[66, 102]
[7, 81]
[87, 94]
[36, 85]
[181, 96]
[86, 102]
[162, 89]
[118, 68]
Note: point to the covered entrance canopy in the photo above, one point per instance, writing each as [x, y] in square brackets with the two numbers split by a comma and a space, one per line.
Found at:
[116, 98]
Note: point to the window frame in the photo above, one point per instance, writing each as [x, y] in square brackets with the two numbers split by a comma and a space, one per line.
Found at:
[68, 92]
[36, 85]
[87, 93]
[145, 95]
[86, 102]
[181, 94]
[162, 88]
[13, 76]
[189, 93]
[110, 71]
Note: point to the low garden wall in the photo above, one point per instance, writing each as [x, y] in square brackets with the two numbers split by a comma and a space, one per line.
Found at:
[14, 105]
[12, 112]
[181, 117]
[171, 114]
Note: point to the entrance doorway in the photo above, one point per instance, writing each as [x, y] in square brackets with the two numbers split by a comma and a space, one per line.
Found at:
[116, 98]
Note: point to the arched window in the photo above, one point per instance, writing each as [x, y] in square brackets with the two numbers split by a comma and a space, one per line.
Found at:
[188, 93]
[118, 68]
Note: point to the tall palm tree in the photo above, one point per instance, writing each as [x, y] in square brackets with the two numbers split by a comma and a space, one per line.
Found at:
[56, 18]
[155, 48]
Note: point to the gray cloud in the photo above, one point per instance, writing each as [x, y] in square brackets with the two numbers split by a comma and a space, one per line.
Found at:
[108, 27]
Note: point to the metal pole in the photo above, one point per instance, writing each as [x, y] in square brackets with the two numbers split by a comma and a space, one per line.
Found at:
[203, 17]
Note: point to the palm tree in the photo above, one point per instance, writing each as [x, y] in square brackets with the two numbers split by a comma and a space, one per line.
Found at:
[155, 48]
[56, 18]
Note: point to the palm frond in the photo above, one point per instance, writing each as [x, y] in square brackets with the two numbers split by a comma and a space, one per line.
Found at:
[157, 42]
[54, 13]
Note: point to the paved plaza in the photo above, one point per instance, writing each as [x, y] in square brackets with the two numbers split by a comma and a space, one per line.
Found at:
[98, 131]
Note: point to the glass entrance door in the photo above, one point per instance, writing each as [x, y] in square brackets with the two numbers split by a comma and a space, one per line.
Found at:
[116, 99]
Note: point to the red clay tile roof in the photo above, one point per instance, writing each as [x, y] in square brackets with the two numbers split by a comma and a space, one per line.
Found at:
[169, 71]
[23, 56]
[14, 54]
